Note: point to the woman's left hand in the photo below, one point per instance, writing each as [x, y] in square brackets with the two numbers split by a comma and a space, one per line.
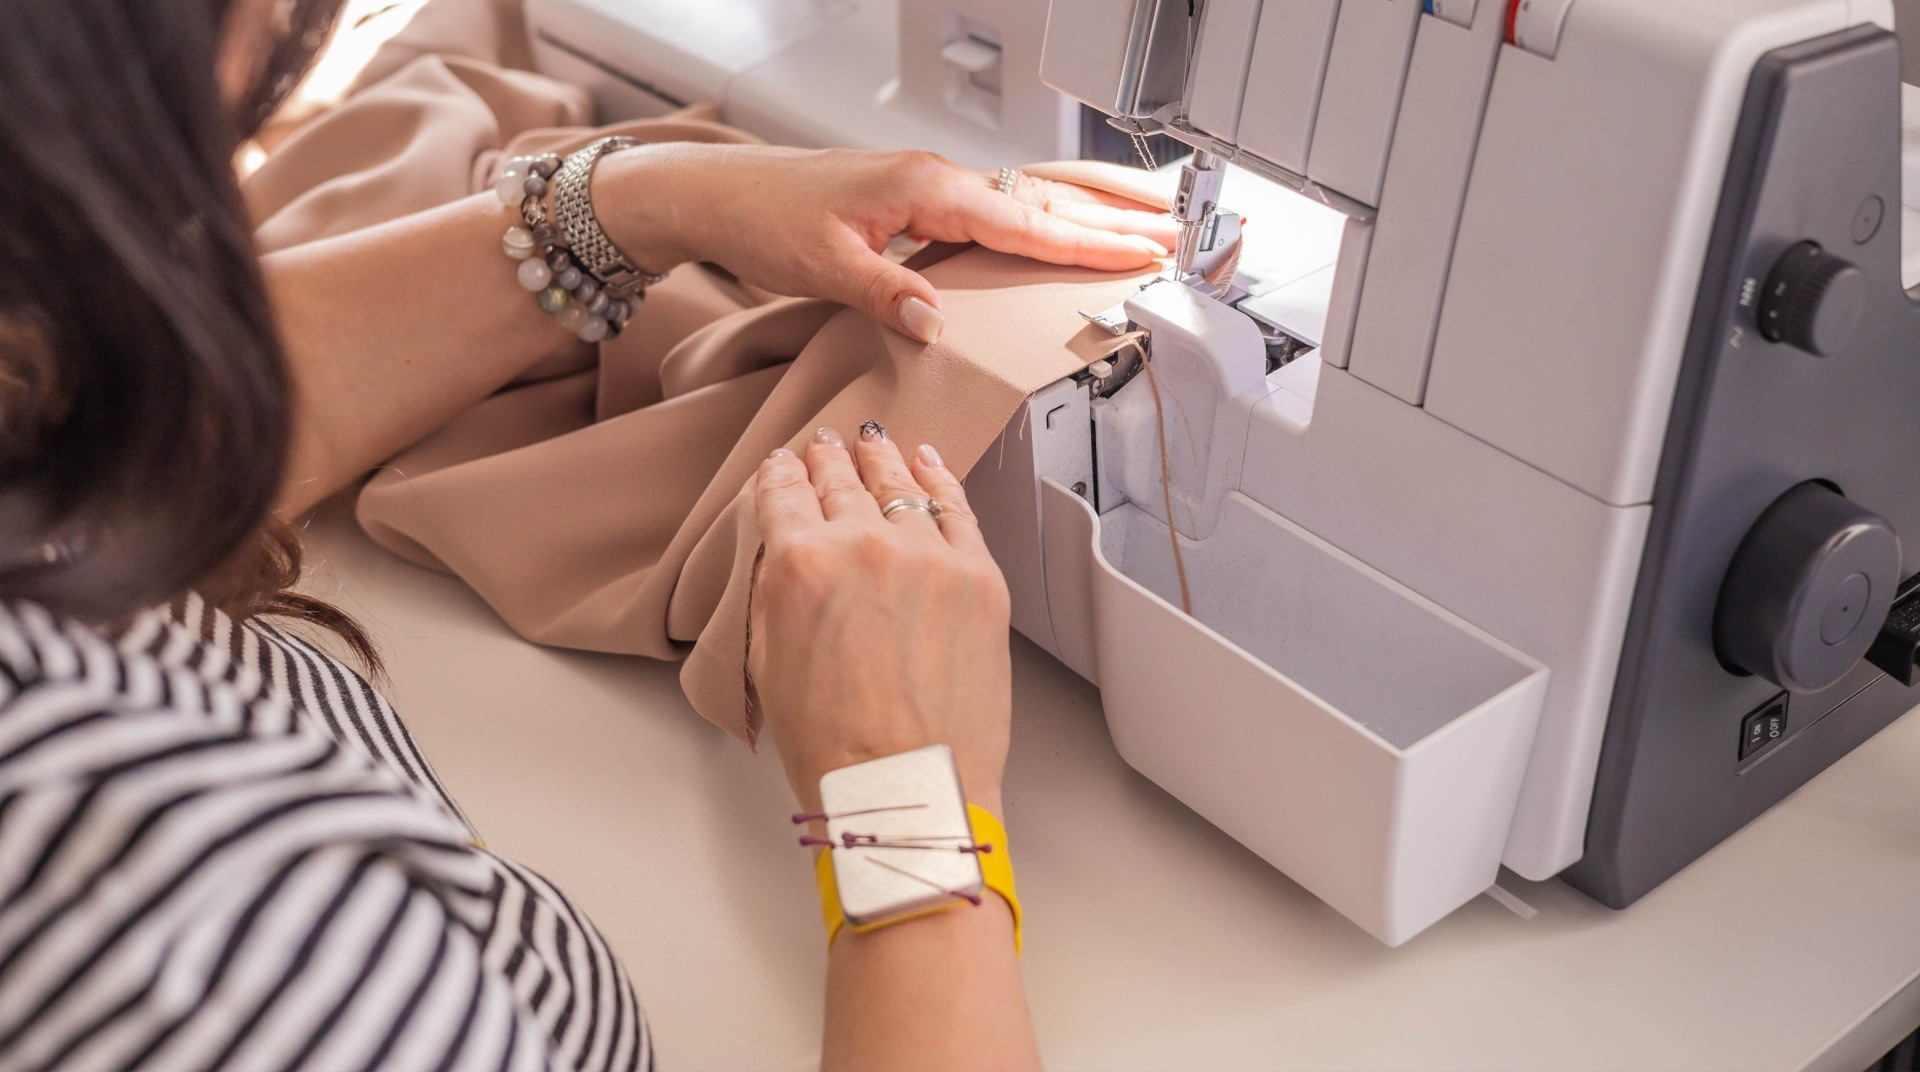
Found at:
[813, 223]
[873, 635]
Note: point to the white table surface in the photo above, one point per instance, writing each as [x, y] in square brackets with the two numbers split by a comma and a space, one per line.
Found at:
[1153, 940]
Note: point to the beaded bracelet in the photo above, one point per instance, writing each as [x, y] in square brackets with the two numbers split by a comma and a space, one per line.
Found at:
[548, 267]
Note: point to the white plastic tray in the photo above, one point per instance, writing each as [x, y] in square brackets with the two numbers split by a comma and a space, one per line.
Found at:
[1359, 738]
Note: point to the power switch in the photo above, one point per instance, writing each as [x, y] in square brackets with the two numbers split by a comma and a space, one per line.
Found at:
[1764, 726]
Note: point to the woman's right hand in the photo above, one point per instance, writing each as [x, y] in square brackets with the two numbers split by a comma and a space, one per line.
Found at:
[871, 636]
[813, 223]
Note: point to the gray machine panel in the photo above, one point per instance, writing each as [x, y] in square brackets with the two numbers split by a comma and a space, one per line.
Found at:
[1817, 150]
[1906, 15]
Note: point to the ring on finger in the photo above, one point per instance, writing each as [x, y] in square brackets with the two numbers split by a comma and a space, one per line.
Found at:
[930, 507]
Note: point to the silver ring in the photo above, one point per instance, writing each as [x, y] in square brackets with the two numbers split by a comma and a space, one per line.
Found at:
[929, 507]
[1009, 177]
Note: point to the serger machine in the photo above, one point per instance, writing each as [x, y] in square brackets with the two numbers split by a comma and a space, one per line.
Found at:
[1539, 483]
[1551, 516]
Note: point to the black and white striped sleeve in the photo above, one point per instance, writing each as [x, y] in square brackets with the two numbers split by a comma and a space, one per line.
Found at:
[190, 878]
[337, 958]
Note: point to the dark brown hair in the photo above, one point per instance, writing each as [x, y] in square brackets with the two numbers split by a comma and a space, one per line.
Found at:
[144, 398]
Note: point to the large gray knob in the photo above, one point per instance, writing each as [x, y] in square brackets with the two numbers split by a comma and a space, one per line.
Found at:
[1808, 590]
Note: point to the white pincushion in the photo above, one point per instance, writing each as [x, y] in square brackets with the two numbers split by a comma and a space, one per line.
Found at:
[914, 805]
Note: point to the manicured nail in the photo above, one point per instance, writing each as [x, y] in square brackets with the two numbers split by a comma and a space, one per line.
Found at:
[1146, 245]
[930, 456]
[831, 437]
[921, 320]
[781, 452]
[873, 431]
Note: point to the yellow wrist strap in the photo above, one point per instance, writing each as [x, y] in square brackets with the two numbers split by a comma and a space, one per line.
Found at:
[996, 867]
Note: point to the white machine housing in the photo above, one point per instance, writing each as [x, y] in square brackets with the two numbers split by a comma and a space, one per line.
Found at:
[1411, 551]
[959, 78]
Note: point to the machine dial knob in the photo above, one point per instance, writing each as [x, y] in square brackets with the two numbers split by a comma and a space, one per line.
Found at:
[1808, 590]
[1813, 301]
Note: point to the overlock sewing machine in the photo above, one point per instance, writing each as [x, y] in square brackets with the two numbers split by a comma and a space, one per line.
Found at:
[1542, 491]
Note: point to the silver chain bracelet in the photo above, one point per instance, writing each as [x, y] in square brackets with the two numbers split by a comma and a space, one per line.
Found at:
[573, 210]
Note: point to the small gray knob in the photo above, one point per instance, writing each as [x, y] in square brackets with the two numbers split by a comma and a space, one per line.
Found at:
[1808, 590]
[1813, 301]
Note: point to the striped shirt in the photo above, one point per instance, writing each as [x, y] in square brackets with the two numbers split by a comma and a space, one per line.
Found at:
[220, 848]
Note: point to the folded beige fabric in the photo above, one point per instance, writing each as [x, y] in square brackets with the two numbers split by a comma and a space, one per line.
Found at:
[601, 502]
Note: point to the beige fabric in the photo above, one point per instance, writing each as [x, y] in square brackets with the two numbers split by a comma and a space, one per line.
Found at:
[600, 502]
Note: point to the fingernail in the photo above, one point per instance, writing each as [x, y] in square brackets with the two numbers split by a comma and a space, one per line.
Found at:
[931, 456]
[831, 437]
[873, 430]
[921, 320]
[1147, 245]
[781, 452]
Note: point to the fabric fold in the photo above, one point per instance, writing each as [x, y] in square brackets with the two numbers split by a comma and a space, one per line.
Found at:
[601, 502]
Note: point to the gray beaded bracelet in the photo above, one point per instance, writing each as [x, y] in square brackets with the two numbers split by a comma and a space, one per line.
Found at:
[548, 267]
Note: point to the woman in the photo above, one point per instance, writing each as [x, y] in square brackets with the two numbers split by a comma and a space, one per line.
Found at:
[218, 845]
